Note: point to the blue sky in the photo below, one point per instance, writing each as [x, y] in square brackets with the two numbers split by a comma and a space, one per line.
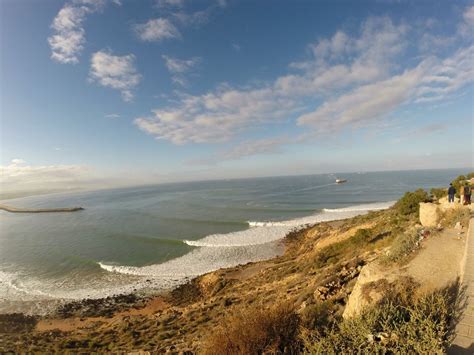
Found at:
[127, 92]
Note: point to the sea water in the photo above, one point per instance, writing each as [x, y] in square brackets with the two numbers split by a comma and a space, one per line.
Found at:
[156, 237]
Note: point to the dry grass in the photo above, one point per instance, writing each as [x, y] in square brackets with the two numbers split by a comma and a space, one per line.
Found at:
[255, 330]
[449, 218]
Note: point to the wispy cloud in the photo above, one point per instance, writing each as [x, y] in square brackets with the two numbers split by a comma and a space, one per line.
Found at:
[466, 27]
[349, 80]
[236, 47]
[112, 115]
[180, 67]
[156, 30]
[169, 3]
[217, 116]
[200, 17]
[116, 72]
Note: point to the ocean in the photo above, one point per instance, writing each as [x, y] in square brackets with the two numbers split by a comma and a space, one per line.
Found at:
[151, 238]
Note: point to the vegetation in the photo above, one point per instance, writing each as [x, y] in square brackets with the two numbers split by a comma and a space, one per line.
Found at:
[402, 324]
[437, 193]
[403, 245]
[256, 330]
[409, 203]
[449, 218]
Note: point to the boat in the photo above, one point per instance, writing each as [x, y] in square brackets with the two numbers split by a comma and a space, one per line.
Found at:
[340, 181]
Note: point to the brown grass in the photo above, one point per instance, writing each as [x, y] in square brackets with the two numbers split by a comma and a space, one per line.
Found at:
[254, 330]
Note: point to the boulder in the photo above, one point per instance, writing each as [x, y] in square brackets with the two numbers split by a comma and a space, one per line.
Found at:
[360, 296]
[429, 214]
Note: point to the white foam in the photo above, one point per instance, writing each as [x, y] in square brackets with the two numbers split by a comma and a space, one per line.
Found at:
[197, 262]
[266, 224]
[326, 215]
[365, 207]
[252, 236]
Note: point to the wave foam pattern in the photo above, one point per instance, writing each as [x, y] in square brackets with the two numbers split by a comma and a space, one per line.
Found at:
[226, 250]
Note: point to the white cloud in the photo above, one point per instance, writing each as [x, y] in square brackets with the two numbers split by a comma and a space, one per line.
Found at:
[198, 18]
[365, 103]
[68, 39]
[218, 116]
[448, 76]
[112, 115]
[156, 30]
[349, 81]
[170, 3]
[116, 72]
[179, 67]
[20, 176]
[466, 27]
[236, 47]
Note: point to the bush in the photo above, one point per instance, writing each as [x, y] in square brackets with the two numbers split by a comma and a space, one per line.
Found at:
[317, 315]
[401, 324]
[450, 217]
[403, 245]
[255, 330]
[409, 204]
[438, 193]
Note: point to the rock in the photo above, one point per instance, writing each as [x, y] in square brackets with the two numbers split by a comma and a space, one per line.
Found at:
[359, 298]
[429, 214]
[458, 226]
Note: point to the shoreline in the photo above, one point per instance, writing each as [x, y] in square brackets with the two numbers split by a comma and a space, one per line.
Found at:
[113, 302]
[139, 300]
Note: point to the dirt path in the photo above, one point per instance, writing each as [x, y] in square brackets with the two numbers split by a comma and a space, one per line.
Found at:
[438, 263]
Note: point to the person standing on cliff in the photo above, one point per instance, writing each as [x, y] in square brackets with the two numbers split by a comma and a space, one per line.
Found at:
[461, 194]
[467, 194]
[451, 192]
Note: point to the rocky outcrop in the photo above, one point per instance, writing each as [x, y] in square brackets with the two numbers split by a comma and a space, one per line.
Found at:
[363, 296]
[429, 214]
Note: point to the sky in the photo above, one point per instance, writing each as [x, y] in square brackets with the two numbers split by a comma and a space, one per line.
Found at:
[121, 92]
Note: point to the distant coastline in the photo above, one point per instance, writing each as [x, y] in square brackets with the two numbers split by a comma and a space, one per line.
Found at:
[39, 210]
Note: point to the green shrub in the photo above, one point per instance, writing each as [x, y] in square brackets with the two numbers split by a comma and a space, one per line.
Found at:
[401, 324]
[256, 330]
[403, 245]
[438, 193]
[409, 204]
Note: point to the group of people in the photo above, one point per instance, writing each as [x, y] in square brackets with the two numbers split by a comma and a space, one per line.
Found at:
[464, 194]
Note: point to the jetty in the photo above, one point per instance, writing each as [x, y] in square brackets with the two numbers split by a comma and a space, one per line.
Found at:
[39, 210]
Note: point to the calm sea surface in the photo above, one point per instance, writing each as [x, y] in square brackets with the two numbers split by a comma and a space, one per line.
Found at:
[155, 237]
